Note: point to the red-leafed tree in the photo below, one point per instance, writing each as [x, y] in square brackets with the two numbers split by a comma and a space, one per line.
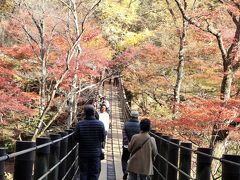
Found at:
[148, 74]
[15, 104]
[53, 46]
[228, 39]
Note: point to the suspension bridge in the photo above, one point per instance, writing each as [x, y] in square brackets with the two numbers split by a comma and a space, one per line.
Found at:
[56, 157]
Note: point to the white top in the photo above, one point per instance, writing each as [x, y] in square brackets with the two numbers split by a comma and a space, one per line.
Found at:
[104, 117]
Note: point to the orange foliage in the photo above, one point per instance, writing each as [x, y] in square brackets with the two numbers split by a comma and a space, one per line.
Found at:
[198, 116]
[18, 52]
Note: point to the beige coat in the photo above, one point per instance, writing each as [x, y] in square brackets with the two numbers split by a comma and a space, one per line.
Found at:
[142, 161]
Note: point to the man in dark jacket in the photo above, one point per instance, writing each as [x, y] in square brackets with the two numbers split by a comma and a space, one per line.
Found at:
[90, 134]
[130, 128]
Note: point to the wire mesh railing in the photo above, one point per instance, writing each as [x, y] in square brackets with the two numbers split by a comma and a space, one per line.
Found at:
[174, 159]
[54, 157]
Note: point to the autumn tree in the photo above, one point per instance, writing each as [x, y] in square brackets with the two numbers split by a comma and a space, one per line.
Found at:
[55, 41]
[228, 46]
[15, 104]
[149, 76]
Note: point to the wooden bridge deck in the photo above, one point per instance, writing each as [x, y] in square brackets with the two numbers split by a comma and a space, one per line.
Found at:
[111, 166]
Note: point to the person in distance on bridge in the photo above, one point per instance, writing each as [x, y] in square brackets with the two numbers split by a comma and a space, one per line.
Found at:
[105, 102]
[90, 134]
[104, 117]
[143, 150]
[130, 128]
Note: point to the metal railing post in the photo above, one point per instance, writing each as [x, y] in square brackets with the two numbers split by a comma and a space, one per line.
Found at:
[76, 169]
[204, 164]
[173, 158]
[42, 158]
[230, 171]
[156, 176]
[63, 152]
[23, 166]
[164, 147]
[75, 154]
[185, 161]
[2, 163]
[70, 158]
[54, 156]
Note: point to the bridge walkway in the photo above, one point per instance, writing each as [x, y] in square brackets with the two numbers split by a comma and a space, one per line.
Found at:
[111, 166]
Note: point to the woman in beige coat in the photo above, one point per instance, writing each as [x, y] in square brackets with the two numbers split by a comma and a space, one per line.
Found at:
[143, 150]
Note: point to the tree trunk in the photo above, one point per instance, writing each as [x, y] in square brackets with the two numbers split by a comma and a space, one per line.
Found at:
[78, 51]
[43, 85]
[43, 80]
[72, 103]
[180, 68]
[227, 83]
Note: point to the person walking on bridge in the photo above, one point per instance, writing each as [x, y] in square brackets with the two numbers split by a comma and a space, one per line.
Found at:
[90, 134]
[104, 117]
[143, 150]
[130, 128]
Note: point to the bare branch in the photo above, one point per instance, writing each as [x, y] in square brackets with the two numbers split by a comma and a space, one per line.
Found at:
[28, 34]
[64, 3]
[68, 59]
[234, 18]
[208, 29]
[171, 11]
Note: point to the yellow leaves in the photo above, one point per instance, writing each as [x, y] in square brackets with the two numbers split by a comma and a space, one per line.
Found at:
[6, 6]
[134, 39]
[99, 44]
[119, 22]
[120, 12]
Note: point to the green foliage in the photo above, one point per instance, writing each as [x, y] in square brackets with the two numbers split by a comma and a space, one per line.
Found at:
[9, 144]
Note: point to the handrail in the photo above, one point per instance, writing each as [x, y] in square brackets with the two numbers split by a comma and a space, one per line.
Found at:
[15, 154]
[123, 98]
[159, 173]
[175, 167]
[39, 155]
[56, 165]
[196, 151]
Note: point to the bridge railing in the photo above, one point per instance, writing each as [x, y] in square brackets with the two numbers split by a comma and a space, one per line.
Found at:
[126, 110]
[175, 158]
[54, 157]
[174, 161]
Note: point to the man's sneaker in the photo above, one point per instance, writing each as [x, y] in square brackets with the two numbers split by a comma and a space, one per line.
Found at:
[125, 176]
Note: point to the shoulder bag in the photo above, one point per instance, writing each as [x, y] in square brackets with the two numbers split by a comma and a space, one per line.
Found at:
[138, 148]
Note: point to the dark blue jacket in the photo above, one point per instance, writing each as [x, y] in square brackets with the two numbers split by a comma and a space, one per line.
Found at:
[90, 134]
[130, 128]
